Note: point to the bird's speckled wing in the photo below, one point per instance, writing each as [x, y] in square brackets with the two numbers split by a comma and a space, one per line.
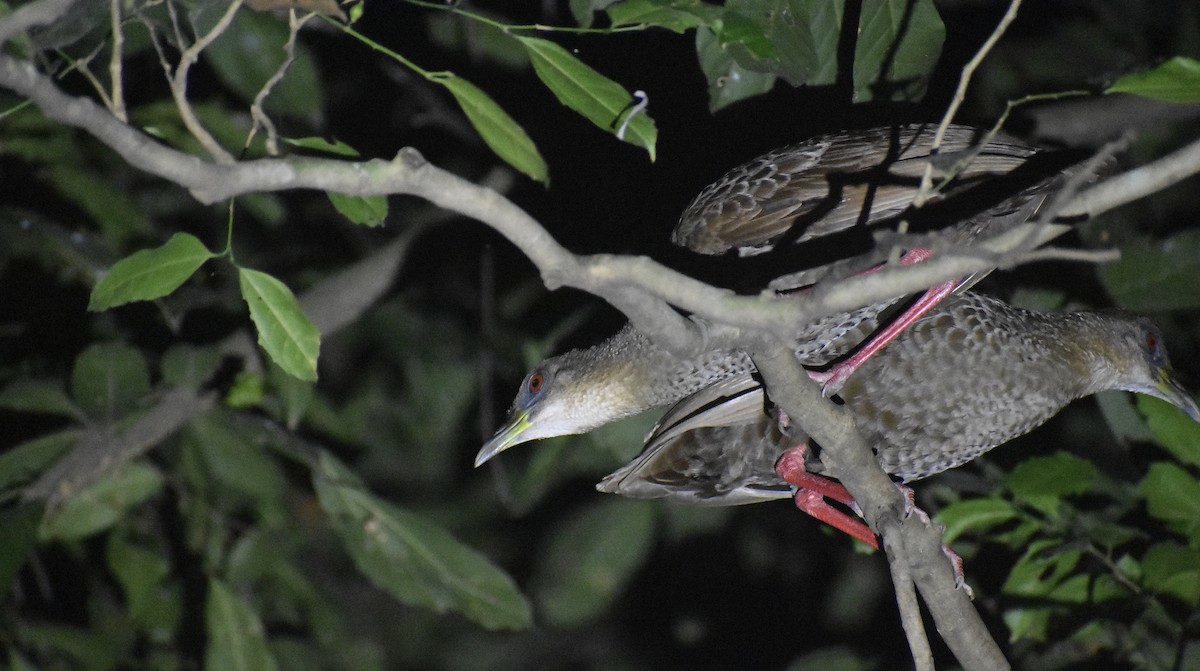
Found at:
[953, 386]
[717, 447]
[822, 186]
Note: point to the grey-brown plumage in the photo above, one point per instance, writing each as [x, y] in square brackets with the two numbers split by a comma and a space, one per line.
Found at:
[971, 375]
[627, 374]
[830, 183]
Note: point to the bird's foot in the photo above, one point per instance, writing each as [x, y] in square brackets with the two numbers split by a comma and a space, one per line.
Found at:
[812, 490]
[911, 509]
[960, 577]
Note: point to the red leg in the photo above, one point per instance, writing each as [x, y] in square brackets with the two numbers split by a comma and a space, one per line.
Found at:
[813, 489]
[833, 379]
[811, 493]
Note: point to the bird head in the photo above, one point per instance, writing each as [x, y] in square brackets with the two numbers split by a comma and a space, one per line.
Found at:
[566, 395]
[1146, 369]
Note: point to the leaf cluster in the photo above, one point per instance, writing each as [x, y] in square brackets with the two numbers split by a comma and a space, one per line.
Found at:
[181, 491]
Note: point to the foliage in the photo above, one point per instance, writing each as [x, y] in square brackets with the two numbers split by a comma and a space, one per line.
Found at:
[174, 498]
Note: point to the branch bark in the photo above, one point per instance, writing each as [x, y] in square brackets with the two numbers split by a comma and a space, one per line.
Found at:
[646, 291]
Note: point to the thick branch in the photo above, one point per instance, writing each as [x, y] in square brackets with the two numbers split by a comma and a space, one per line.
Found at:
[617, 279]
[642, 288]
[905, 540]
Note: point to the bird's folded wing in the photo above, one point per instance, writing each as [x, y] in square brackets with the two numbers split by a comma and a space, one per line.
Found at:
[703, 451]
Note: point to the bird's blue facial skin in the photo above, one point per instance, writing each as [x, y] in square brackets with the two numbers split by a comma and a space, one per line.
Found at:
[531, 389]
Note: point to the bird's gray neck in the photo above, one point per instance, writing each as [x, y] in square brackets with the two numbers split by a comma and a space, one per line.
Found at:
[645, 376]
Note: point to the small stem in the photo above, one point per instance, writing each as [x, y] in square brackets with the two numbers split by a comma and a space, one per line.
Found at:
[960, 94]
[179, 85]
[510, 27]
[114, 64]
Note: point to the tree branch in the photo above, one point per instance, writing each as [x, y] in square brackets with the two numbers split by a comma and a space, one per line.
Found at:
[647, 291]
[910, 542]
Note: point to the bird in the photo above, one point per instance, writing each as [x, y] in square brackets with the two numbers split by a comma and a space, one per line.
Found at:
[987, 183]
[834, 182]
[828, 183]
[969, 376]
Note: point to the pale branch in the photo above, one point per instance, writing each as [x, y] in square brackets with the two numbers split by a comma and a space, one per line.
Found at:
[334, 302]
[960, 94]
[33, 15]
[910, 541]
[645, 290]
[261, 120]
[1140, 182]
[410, 174]
[179, 86]
[103, 448]
[910, 616]
[115, 63]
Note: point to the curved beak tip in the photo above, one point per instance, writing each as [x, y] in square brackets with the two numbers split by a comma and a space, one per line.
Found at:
[1176, 395]
[506, 436]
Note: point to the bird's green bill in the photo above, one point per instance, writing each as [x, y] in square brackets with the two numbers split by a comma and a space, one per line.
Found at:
[506, 437]
[1172, 392]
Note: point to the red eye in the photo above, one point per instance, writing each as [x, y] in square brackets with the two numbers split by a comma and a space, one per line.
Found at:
[1151, 341]
[535, 383]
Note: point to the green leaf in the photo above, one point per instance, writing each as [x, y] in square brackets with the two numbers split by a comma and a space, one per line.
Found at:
[1043, 481]
[117, 215]
[591, 559]
[188, 366]
[656, 13]
[92, 649]
[38, 396]
[974, 514]
[1173, 495]
[748, 35]
[284, 331]
[365, 210]
[18, 663]
[21, 463]
[1156, 275]
[1170, 568]
[142, 574]
[803, 38]
[295, 396]
[18, 535]
[728, 82]
[1173, 429]
[414, 559]
[103, 503]
[582, 10]
[150, 273]
[1046, 572]
[899, 43]
[484, 41]
[249, 52]
[336, 147]
[109, 379]
[247, 390]
[236, 640]
[239, 464]
[496, 127]
[1176, 80]
[598, 98]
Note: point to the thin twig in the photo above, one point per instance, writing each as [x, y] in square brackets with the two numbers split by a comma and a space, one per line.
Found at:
[960, 94]
[1096, 256]
[261, 120]
[179, 84]
[114, 64]
[910, 615]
